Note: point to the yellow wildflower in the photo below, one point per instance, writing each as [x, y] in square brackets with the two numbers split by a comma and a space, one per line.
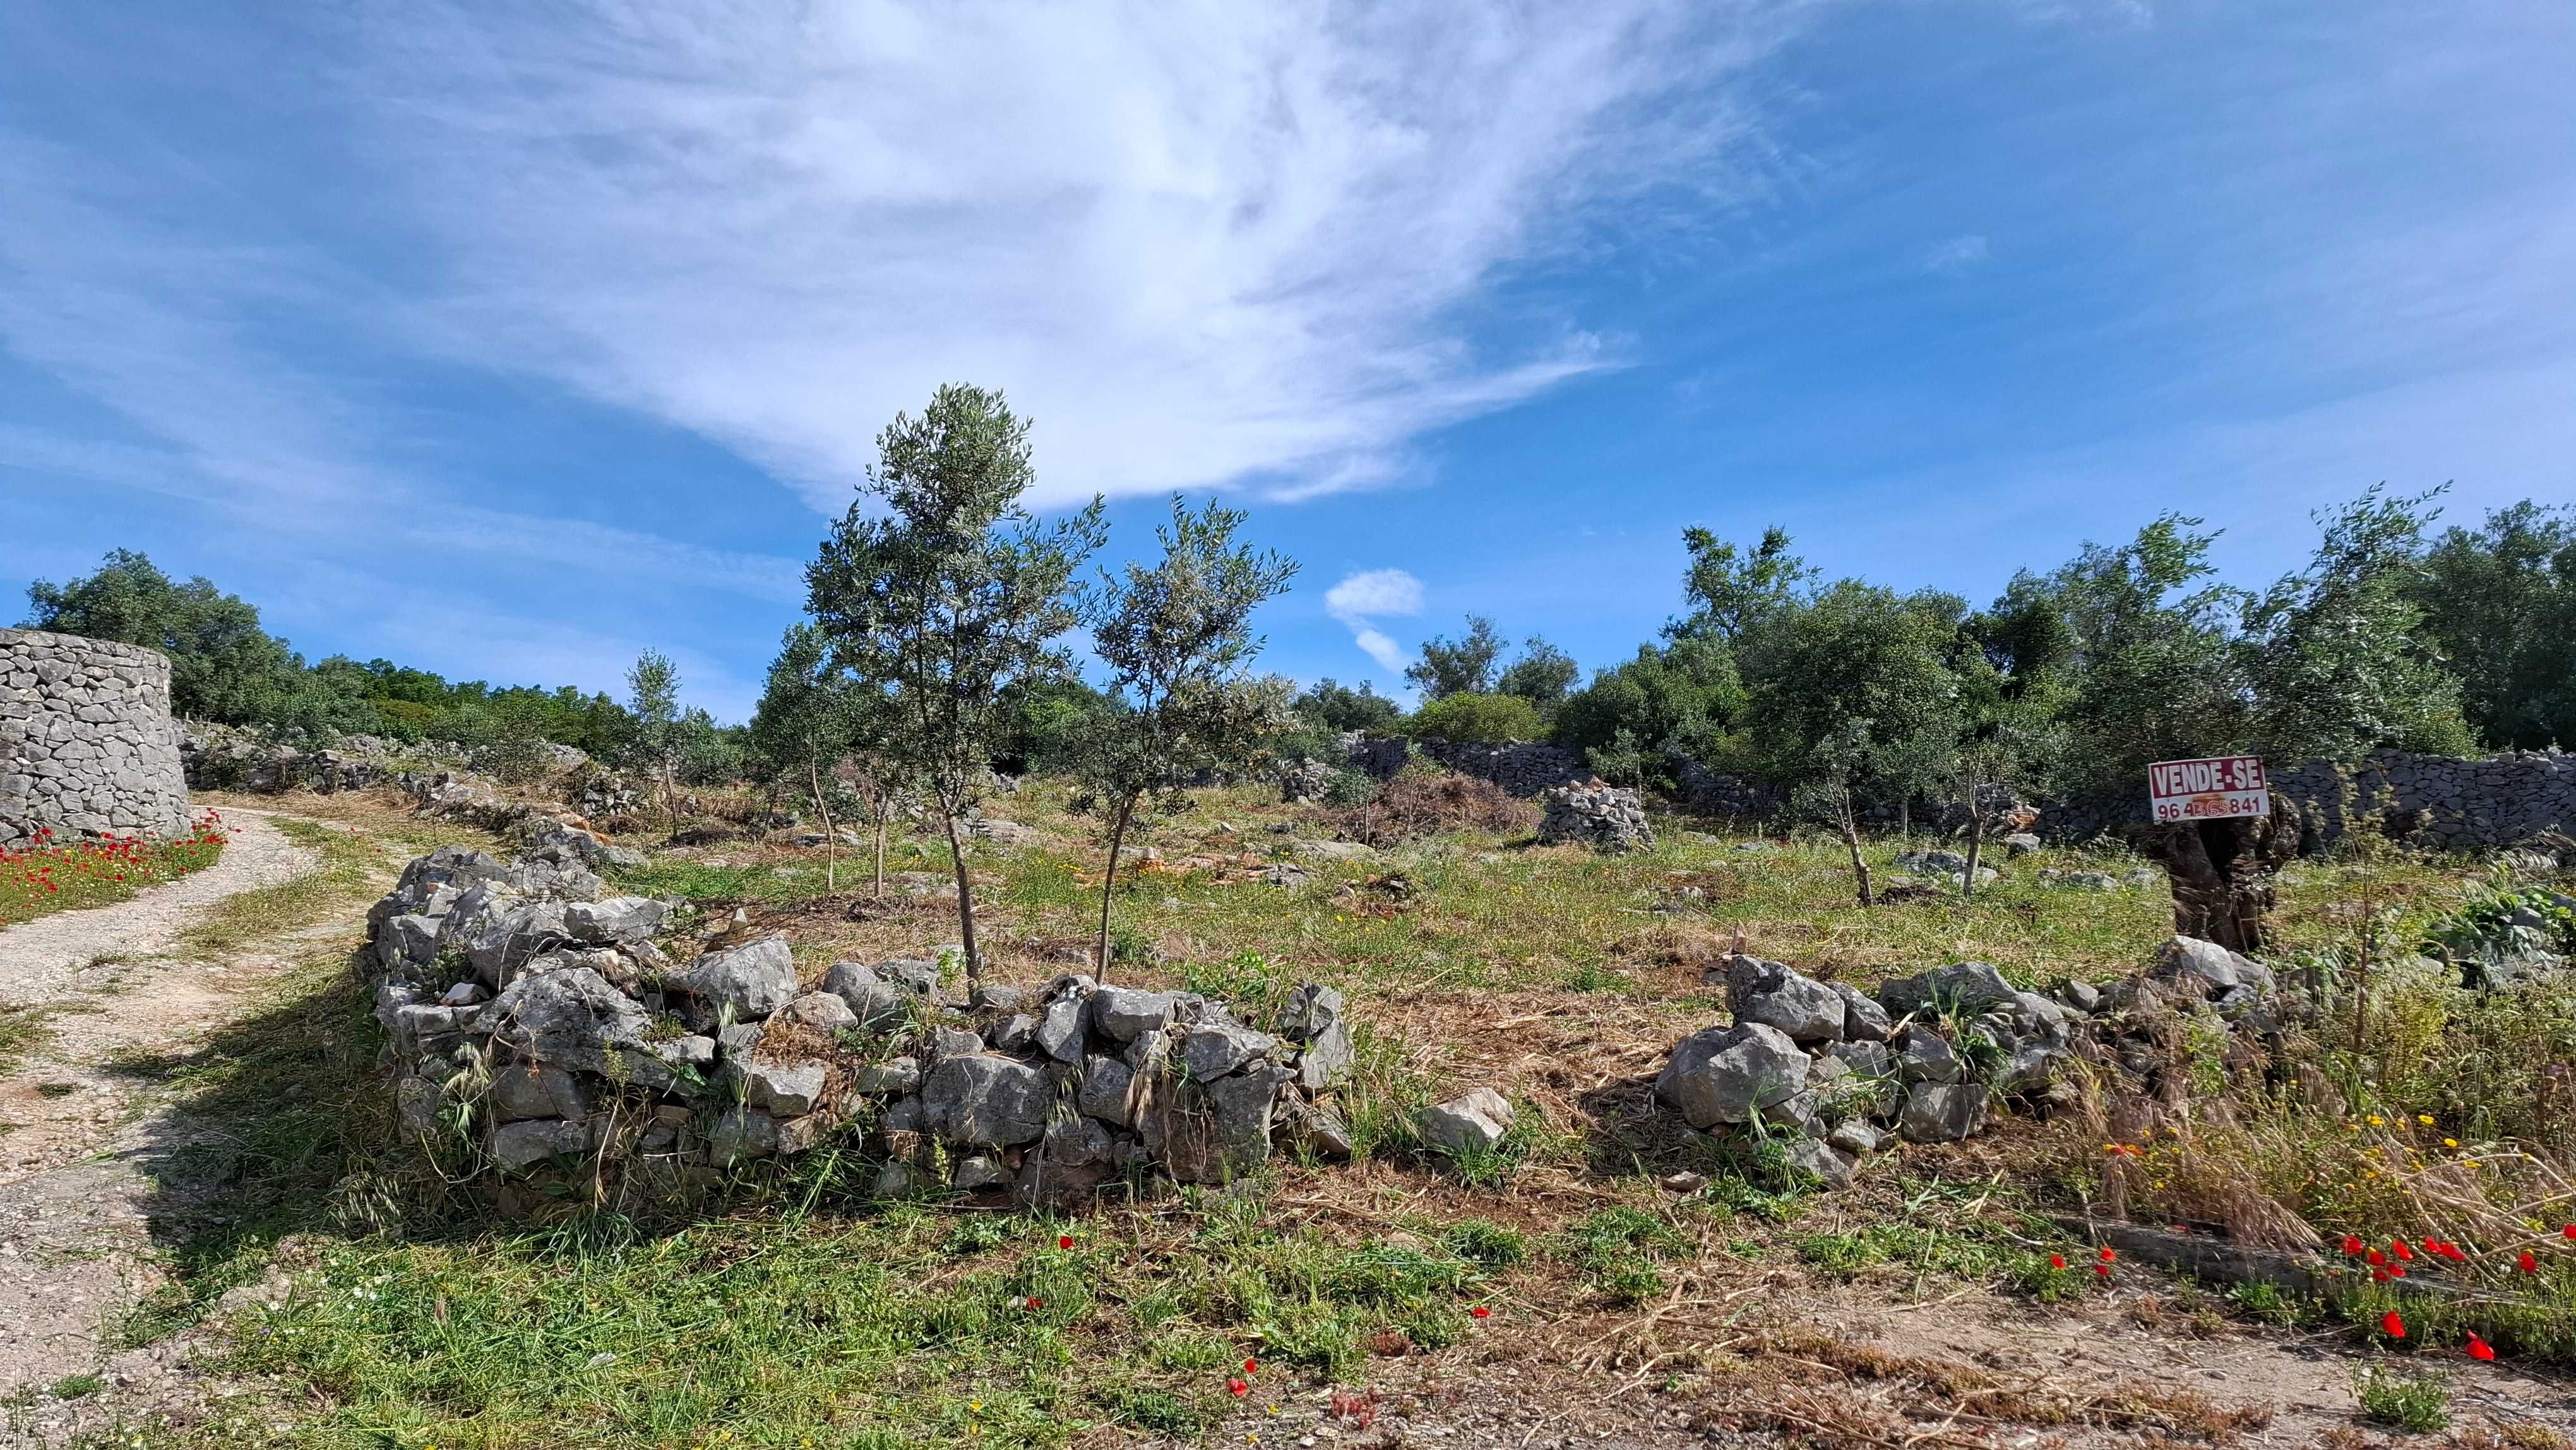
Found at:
[2373, 1120]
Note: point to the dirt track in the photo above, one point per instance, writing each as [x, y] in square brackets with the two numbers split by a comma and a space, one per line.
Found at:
[79, 1142]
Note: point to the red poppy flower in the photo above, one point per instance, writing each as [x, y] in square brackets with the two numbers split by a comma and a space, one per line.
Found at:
[2103, 1270]
[2568, 1232]
[2391, 1325]
[2108, 1255]
[1036, 1303]
[1064, 1241]
[2525, 1262]
[2057, 1261]
[1237, 1388]
[2379, 1276]
[2396, 1273]
[2377, 1258]
[1480, 1312]
[2433, 1246]
[1252, 1366]
[2352, 1244]
[2480, 1349]
[2398, 1247]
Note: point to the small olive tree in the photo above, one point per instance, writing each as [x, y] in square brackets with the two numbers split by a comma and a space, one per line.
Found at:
[1178, 644]
[653, 699]
[817, 722]
[951, 598]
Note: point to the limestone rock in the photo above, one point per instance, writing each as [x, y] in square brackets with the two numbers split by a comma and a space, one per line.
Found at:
[986, 1101]
[1606, 818]
[1478, 1121]
[515, 1146]
[1942, 1112]
[1771, 994]
[754, 979]
[1729, 1074]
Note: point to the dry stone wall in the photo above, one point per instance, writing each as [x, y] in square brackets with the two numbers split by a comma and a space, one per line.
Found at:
[87, 747]
[1525, 768]
[2439, 802]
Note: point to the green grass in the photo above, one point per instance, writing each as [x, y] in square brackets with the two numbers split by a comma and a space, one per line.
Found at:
[2416, 1403]
[881, 1327]
[343, 878]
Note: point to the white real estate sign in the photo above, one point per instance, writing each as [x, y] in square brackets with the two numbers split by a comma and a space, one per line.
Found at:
[2208, 790]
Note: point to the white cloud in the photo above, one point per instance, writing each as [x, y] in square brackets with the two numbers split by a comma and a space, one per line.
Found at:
[1955, 255]
[1360, 598]
[1199, 243]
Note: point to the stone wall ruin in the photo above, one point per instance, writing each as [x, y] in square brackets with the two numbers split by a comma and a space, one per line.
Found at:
[87, 746]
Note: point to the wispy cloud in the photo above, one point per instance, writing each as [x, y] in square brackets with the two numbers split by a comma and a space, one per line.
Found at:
[1199, 243]
[1955, 255]
[1360, 599]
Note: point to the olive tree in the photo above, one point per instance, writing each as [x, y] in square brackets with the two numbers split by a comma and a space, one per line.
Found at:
[818, 721]
[951, 598]
[653, 699]
[1177, 642]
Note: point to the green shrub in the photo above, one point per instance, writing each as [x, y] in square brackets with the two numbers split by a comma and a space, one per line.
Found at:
[1477, 720]
[2415, 1403]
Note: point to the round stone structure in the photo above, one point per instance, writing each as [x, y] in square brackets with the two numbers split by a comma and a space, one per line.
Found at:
[87, 745]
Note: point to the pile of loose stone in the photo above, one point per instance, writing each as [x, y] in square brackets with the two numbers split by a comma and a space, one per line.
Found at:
[1836, 1073]
[535, 1019]
[1606, 818]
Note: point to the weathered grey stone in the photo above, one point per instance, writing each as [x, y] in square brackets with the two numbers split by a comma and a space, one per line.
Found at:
[754, 979]
[1311, 1128]
[1959, 987]
[823, 1011]
[531, 1090]
[1923, 1055]
[2020, 844]
[572, 1019]
[1106, 1085]
[1015, 1034]
[1477, 1121]
[742, 1133]
[2081, 995]
[1822, 1161]
[1942, 1112]
[1214, 1049]
[784, 1089]
[986, 1101]
[2213, 966]
[1729, 1074]
[1122, 1014]
[1774, 996]
[617, 920]
[1863, 1019]
[880, 1001]
[418, 1102]
[955, 1042]
[894, 1075]
[514, 1146]
[1854, 1136]
[1867, 1060]
[978, 1171]
[1060, 1032]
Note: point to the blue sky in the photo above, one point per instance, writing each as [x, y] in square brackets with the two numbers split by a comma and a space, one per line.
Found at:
[509, 340]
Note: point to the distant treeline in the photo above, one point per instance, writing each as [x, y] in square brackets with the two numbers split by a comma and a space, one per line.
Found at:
[225, 668]
[2066, 684]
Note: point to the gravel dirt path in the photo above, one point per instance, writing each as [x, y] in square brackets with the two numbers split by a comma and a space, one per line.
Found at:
[80, 1142]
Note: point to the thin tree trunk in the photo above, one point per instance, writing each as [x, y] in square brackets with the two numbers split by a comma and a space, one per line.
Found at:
[965, 895]
[1109, 881]
[831, 873]
[1851, 843]
[1976, 841]
[881, 845]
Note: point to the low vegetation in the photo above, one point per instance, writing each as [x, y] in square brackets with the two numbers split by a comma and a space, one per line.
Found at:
[48, 877]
